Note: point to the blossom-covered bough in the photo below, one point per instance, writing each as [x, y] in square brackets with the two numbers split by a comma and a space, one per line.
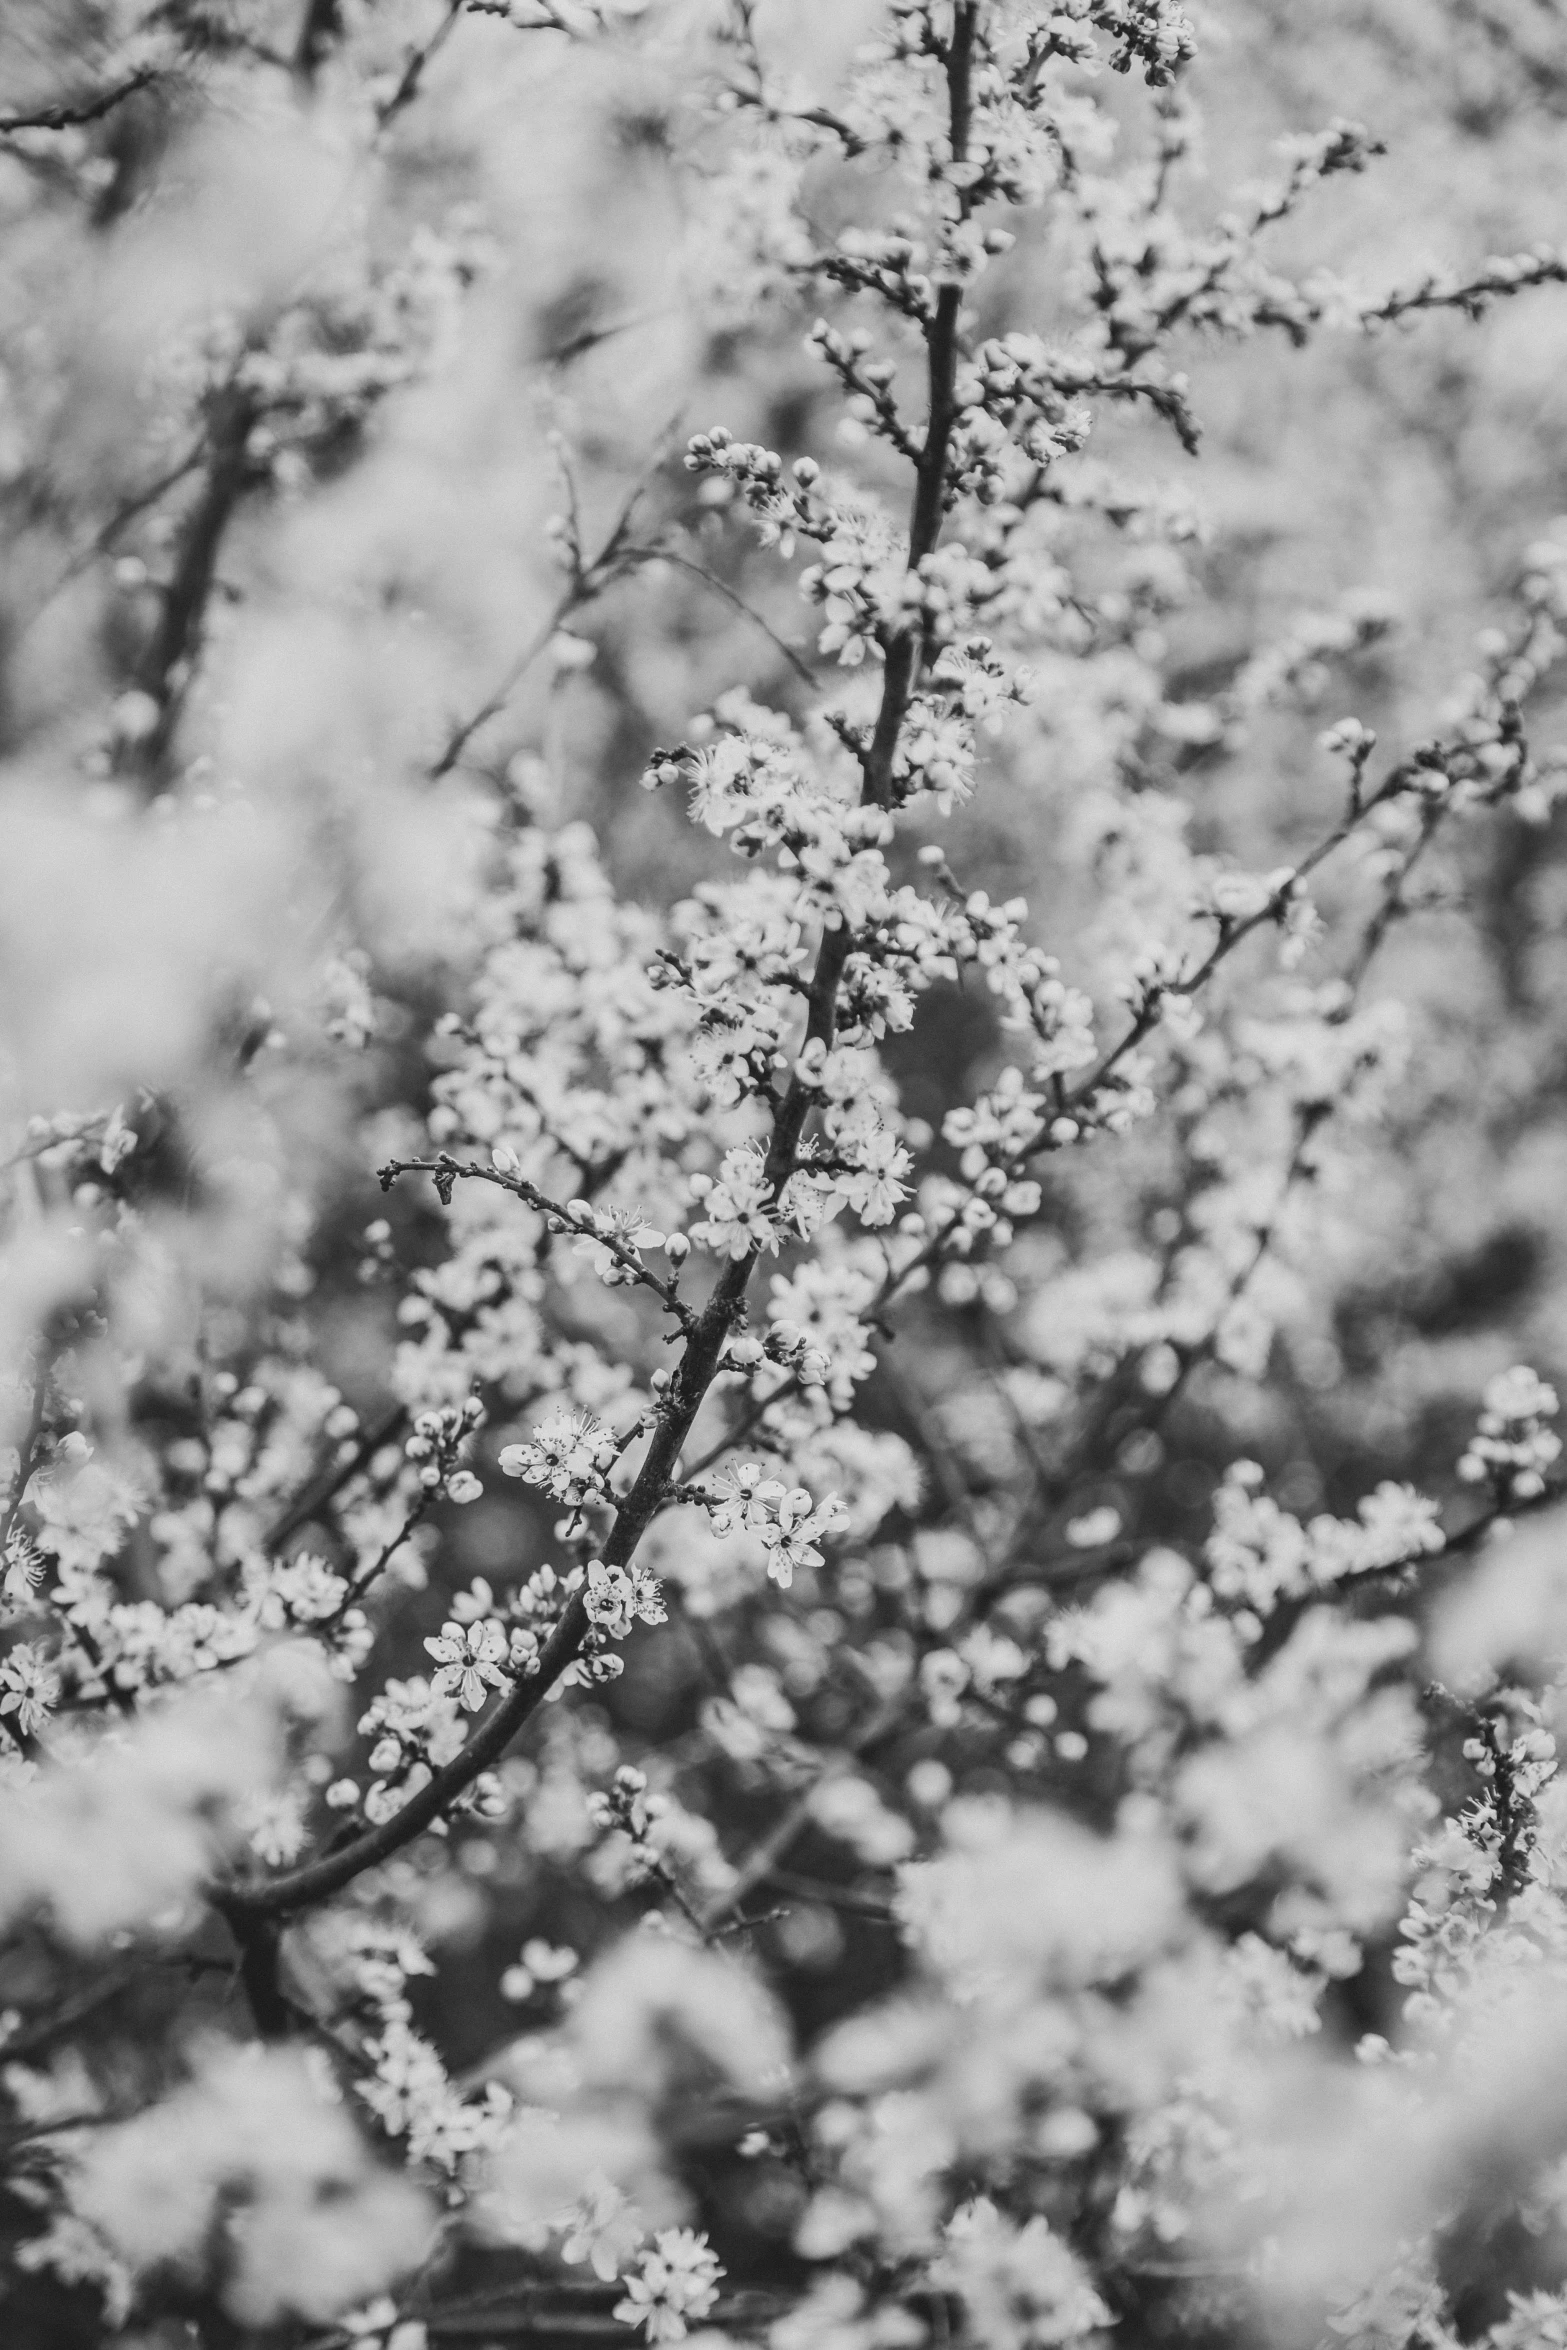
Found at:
[1128, 1821]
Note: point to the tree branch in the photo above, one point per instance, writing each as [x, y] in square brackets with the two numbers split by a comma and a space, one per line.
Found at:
[706, 1332]
[168, 661]
[70, 116]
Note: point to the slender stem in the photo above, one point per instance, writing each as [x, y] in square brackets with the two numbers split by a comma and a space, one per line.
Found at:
[413, 71]
[769, 1848]
[721, 587]
[588, 579]
[69, 117]
[446, 1170]
[460, 737]
[326, 1489]
[102, 540]
[32, 2039]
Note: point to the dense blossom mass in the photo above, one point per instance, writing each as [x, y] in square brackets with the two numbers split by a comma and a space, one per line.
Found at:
[736, 1711]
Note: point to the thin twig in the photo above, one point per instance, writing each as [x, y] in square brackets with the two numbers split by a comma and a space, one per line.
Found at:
[70, 116]
[447, 1171]
[588, 580]
[759, 1863]
[102, 541]
[721, 587]
[413, 70]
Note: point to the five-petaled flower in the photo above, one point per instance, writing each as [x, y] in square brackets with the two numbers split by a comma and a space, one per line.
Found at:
[675, 2280]
[30, 1685]
[470, 1661]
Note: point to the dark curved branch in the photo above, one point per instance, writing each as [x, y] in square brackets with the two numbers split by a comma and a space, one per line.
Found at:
[705, 1333]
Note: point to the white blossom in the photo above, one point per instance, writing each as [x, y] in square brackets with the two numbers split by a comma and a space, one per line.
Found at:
[674, 2281]
[470, 1661]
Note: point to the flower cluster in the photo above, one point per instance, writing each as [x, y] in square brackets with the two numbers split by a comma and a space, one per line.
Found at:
[786, 1521]
[675, 2280]
[617, 1598]
[1258, 1554]
[567, 1457]
[872, 1260]
[1515, 1444]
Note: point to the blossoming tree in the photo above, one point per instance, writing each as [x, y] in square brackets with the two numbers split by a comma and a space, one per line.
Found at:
[937, 1900]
